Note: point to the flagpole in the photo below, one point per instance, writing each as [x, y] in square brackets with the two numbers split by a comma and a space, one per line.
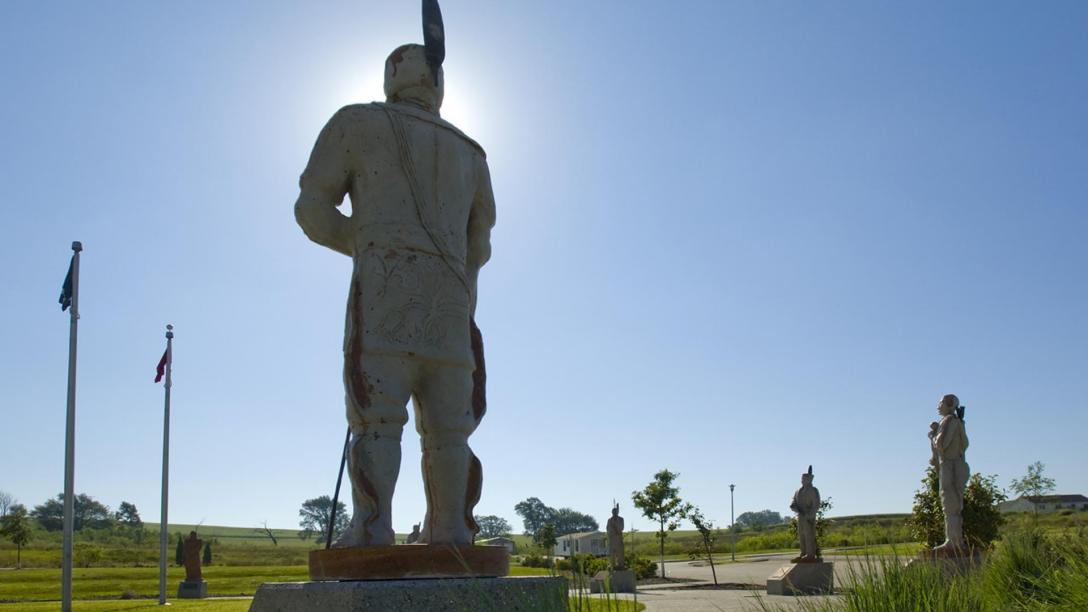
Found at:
[70, 439]
[165, 466]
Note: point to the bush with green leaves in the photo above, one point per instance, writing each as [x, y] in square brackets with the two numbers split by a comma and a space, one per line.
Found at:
[643, 567]
[982, 520]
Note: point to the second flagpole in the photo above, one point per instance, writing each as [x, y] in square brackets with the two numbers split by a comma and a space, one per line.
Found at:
[163, 535]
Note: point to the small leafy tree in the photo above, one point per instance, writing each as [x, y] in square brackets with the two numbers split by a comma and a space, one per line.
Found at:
[314, 518]
[492, 526]
[660, 501]
[7, 500]
[1034, 484]
[15, 526]
[545, 538]
[179, 552]
[981, 519]
[708, 534]
[207, 559]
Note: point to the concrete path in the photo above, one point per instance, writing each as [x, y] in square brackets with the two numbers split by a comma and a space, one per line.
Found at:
[751, 571]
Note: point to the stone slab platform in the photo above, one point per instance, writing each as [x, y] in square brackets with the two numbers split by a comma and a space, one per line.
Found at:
[192, 589]
[515, 594]
[409, 561]
[802, 579]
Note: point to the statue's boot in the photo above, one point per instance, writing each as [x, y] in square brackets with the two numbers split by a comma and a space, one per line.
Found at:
[452, 477]
[374, 462]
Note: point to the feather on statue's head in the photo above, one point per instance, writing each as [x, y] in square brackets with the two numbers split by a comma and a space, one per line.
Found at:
[413, 72]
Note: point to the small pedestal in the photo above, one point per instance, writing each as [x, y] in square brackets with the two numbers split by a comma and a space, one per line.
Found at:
[520, 594]
[950, 561]
[802, 579]
[617, 581]
[192, 589]
[409, 561]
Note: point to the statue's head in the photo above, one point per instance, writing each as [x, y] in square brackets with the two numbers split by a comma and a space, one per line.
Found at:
[806, 478]
[192, 535]
[616, 510]
[409, 78]
[948, 405]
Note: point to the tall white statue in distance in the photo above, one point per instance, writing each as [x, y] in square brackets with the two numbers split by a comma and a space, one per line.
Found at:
[948, 438]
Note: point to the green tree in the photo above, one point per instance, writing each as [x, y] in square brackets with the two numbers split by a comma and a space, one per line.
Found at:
[1033, 485]
[87, 512]
[492, 526]
[15, 526]
[179, 552]
[314, 518]
[981, 519]
[708, 534]
[660, 501]
[207, 560]
[758, 520]
[535, 514]
[545, 537]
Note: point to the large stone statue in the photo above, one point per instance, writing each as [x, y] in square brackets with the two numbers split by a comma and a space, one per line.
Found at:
[615, 539]
[806, 503]
[948, 438]
[419, 232]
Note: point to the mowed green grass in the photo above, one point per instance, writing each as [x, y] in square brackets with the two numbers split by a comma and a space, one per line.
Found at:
[112, 582]
[203, 605]
[237, 605]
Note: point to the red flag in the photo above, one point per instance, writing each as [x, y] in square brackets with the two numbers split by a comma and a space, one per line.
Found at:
[160, 369]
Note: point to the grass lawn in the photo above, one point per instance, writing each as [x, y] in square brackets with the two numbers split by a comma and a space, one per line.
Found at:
[111, 582]
[204, 605]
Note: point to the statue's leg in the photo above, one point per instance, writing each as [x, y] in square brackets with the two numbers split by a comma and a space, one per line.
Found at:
[951, 503]
[451, 473]
[377, 413]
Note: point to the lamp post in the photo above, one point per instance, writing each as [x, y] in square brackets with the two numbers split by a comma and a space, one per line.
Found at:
[732, 526]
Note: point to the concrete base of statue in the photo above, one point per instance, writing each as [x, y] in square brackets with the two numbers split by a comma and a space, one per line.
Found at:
[192, 589]
[950, 560]
[616, 581]
[409, 561]
[516, 594]
[810, 578]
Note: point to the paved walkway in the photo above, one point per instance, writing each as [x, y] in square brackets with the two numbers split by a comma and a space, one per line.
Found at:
[693, 596]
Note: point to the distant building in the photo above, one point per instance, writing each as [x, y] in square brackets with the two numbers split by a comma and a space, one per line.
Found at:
[591, 542]
[510, 545]
[1045, 503]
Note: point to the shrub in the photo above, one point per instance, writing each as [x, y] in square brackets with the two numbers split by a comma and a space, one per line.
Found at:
[535, 560]
[981, 519]
[583, 563]
[643, 567]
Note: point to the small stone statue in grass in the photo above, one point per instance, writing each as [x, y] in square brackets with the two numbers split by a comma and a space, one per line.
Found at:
[414, 536]
[948, 438]
[806, 503]
[192, 548]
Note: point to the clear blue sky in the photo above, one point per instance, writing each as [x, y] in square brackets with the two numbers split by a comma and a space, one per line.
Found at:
[734, 238]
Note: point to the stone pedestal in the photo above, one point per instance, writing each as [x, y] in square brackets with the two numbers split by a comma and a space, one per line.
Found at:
[955, 561]
[520, 594]
[192, 589]
[802, 579]
[409, 561]
[617, 581]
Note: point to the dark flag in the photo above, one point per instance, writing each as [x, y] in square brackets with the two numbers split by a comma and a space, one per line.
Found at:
[66, 289]
[160, 370]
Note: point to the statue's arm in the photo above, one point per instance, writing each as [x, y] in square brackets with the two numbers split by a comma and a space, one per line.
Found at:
[481, 220]
[947, 433]
[323, 184]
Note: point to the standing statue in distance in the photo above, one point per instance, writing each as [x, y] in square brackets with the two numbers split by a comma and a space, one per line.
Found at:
[615, 539]
[806, 503]
[191, 555]
[422, 210]
[948, 438]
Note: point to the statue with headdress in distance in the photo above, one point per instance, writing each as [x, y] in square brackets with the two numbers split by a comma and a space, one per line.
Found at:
[806, 503]
[615, 539]
[948, 440]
